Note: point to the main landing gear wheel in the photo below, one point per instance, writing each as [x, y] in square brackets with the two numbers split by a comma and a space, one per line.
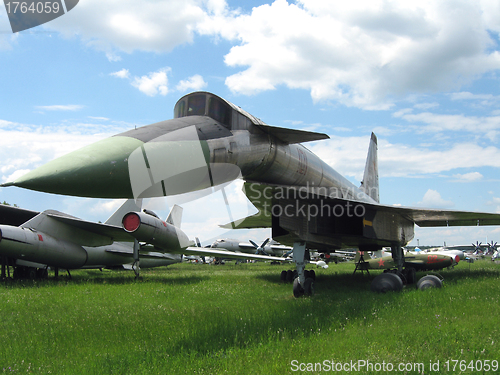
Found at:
[387, 282]
[429, 281]
[288, 276]
[283, 276]
[309, 287]
[298, 291]
[310, 274]
[307, 290]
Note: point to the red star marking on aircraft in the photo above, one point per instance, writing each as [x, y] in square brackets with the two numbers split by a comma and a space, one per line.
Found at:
[381, 262]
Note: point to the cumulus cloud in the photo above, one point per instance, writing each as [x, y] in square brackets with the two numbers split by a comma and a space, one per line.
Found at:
[347, 155]
[432, 199]
[124, 73]
[127, 25]
[194, 83]
[154, 83]
[428, 122]
[361, 53]
[468, 177]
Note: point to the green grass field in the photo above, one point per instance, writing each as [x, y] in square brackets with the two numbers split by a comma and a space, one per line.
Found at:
[240, 319]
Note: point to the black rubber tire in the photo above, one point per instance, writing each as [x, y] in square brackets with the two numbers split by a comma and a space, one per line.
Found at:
[312, 275]
[387, 282]
[283, 276]
[298, 291]
[289, 276]
[429, 281]
[309, 287]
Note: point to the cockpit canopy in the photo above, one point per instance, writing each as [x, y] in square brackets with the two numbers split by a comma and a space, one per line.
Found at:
[207, 104]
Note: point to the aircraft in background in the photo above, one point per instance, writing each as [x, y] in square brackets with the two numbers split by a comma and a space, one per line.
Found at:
[266, 248]
[33, 241]
[151, 230]
[442, 251]
[210, 142]
[413, 262]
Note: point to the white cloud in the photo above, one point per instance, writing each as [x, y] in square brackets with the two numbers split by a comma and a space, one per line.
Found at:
[194, 83]
[70, 107]
[468, 177]
[124, 73]
[427, 122]
[495, 202]
[127, 25]
[154, 83]
[360, 53]
[347, 155]
[432, 199]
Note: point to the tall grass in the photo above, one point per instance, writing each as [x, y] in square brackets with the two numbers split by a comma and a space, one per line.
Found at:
[241, 319]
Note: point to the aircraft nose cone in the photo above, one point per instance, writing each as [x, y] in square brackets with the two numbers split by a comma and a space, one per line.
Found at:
[98, 170]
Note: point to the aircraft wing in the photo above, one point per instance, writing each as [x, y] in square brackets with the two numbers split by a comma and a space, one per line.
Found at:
[292, 135]
[202, 251]
[142, 254]
[114, 232]
[72, 229]
[261, 196]
[444, 218]
[247, 246]
[15, 216]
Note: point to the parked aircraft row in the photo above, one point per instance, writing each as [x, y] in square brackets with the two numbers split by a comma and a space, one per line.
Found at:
[32, 241]
[210, 142]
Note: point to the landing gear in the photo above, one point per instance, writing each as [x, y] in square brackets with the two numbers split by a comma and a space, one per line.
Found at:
[307, 289]
[298, 291]
[303, 283]
[429, 281]
[31, 273]
[135, 265]
[303, 280]
[387, 282]
[410, 274]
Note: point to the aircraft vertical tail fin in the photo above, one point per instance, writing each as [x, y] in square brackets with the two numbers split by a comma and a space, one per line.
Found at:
[175, 216]
[370, 178]
[129, 206]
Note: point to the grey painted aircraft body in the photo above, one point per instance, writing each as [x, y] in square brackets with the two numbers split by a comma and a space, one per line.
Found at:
[37, 240]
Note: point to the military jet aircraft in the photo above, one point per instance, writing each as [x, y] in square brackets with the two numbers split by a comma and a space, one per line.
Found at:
[211, 141]
[32, 241]
[413, 261]
[266, 248]
[150, 229]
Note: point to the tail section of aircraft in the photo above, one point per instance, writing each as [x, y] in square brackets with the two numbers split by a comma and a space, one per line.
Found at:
[370, 178]
[175, 216]
[131, 205]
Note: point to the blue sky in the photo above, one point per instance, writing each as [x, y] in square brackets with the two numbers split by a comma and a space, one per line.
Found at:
[423, 75]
